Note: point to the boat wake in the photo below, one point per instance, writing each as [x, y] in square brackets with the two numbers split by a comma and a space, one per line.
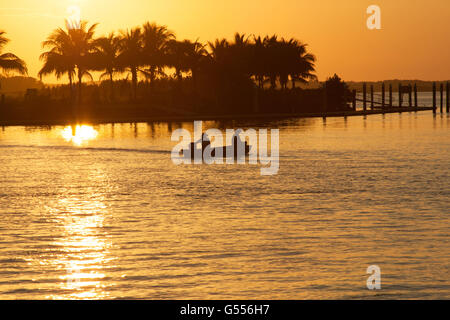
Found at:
[86, 149]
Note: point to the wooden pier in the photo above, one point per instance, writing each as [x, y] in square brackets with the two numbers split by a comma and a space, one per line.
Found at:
[377, 101]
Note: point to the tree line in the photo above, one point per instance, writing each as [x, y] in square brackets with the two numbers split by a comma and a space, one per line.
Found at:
[150, 50]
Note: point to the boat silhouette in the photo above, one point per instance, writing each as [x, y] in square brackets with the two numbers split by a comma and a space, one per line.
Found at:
[217, 150]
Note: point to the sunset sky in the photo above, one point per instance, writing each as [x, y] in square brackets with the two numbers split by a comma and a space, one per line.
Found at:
[413, 43]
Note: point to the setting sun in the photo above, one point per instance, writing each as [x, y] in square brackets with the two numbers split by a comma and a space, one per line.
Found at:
[74, 16]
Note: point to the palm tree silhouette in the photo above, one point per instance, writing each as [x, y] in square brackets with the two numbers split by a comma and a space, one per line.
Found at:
[177, 57]
[240, 40]
[271, 57]
[219, 49]
[257, 62]
[130, 55]
[70, 50]
[220, 60]
[83, 49]
[58, 59]
[278, 60]
[106, 56]
[185, 56]
[9, 61]
[241, 53]
[302, 64]
[155, 39]
[196, 53]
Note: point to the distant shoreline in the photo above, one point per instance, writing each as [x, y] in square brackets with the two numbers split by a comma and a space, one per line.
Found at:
[188, 118]
[18, 85]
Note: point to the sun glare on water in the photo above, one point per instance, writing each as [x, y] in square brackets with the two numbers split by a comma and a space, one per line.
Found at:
[79, 134]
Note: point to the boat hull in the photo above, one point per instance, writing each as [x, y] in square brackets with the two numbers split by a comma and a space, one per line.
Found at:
[218, 150]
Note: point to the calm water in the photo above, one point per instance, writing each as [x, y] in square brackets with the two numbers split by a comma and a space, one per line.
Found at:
[105, 213]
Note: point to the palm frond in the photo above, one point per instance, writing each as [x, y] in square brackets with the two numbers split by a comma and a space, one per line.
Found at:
[10, 62]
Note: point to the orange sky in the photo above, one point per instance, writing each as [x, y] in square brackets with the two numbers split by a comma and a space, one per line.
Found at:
[413, 43]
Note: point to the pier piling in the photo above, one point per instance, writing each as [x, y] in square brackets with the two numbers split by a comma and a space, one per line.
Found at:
[400, 97]
[354, 100]
[410, 95]
[383, 95]
[390, 95]
[434, 97]
[442, 97]
[415, 96]
[372, 105]
[364, 96]
[448, 97]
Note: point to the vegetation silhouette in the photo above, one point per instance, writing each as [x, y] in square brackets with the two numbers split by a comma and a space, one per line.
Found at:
[71, 51]
[9, 61]
[106, 53]
[338, 93]
[244, 75]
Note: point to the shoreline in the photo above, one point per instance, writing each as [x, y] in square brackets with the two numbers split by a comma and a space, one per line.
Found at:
[189, 118]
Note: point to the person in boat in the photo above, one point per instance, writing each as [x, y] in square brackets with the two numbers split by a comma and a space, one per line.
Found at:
[206, 141]
[238, 143]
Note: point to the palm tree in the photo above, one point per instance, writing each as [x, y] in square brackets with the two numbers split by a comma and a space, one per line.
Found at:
[303, 65]
[58, 59]
[257, 63]
[288, 60]
[9, 61]
[219, 49]
[240, 40]
[106, 53]
[241, 53]
[83, 48]
[177, 56]
[197, 54]
[155, 40]
[70, 50]
[219, 65]
[278, 60]
[130, 54]
[185, 56]
[272, 59]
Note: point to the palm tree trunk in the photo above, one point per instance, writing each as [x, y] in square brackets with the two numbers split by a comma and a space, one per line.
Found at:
[273, 82]
[71, 104]
[112, 85]
[71, 88]
[152, 76]
[194, 80]
[134, 81]
[80, 76]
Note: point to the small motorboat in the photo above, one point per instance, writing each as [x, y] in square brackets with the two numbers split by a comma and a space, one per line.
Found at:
[217, 150]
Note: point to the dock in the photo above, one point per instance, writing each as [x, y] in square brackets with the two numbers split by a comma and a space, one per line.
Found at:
[378, 101]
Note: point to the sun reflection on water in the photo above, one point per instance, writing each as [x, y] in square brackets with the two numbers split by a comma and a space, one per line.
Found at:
[83, 248]
[79, 134]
